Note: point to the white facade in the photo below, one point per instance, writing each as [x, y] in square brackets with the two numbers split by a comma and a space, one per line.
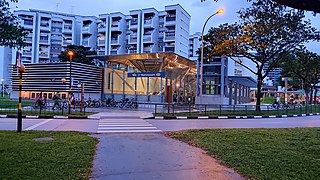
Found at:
[176, 37]
[145, 31]
[117, 34]
[89, 31]
[5, 61]
[103, 34]
[51, 32]
[236, 69]
[28, 20]
[194, 45]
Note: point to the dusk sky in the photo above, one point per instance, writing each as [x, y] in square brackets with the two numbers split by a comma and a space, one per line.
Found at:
[199, 11]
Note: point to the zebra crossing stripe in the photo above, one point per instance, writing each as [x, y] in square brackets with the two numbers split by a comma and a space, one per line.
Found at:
[125, 126]
[131, 131]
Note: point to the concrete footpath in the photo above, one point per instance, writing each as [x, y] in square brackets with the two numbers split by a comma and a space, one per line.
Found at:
[153, 156]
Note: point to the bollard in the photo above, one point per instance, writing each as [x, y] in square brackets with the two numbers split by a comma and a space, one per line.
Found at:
[173, 109]
[205, 109]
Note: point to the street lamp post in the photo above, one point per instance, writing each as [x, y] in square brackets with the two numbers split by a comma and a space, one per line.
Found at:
[19, 124]
[2, 87]
[71, 54]
[220, 11]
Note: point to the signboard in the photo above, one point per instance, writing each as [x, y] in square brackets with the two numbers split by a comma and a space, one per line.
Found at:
[147, 74]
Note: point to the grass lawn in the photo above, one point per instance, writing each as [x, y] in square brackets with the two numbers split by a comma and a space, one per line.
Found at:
[270, 100]
[261, 153]
[68, 156]
[6, 101]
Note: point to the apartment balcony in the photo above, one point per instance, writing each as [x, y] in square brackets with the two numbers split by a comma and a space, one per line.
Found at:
[44, 41]
[67, 30]
[86, 30]
[85, 42]
[115, 41]
[43, 54]
[133, 24]
[133, 40]
[102, 27]
[169, 49]
[28, 24]
[114, 52]
[147, 50]
[101, 53]
[115, 26]
[56, 31]
[27, 53]
[132, 51]
[171, 20]
[148, 23]
[101, 42]
[170, 36]
[147, 38]
[28, 40]
[56, 42]
[45, 26]
[56, 38]
[66, 43]
[56, 25]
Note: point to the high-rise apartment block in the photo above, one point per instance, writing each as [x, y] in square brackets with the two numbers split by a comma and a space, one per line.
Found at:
[194, 45]
[51, 32]
[141, 31]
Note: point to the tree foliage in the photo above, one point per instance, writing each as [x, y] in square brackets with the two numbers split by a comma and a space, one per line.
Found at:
[309, 5]
[304, 67]
[11, 32]
[266, 31]
[80, 54]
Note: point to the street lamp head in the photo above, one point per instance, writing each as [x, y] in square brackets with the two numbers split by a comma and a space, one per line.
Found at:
[22, 69]
[63, 80]
[70, 53]
[220, 11]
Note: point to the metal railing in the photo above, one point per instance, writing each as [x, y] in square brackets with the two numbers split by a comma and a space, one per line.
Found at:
[43, 110]
[233, 110]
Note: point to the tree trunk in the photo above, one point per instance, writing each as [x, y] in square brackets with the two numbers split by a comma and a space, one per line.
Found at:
[259, 94]
[307, 95]
[311, 95]
[315, 95]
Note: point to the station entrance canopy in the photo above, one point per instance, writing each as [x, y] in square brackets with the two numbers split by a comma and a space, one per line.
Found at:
[173, 64]
[180, 73]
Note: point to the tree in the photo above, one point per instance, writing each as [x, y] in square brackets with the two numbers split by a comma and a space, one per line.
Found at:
[265, 32]
[309, 5]
[11, 33]
[80, 54]
[304, 66]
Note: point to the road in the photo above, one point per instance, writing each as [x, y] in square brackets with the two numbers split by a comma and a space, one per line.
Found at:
[123, 123]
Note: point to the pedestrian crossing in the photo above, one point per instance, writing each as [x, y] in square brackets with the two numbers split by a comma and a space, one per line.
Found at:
[125, 125]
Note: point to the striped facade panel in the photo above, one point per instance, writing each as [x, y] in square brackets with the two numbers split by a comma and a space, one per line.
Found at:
[48, 77]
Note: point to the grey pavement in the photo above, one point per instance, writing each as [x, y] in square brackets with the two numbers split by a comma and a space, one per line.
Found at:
[144, 155]
[153, 156]
[123, 121]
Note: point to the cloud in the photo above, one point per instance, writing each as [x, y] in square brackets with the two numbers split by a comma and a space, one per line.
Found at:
[198, 3]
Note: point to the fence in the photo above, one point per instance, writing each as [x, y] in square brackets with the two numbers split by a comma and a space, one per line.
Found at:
[41, 110]
[232, 110]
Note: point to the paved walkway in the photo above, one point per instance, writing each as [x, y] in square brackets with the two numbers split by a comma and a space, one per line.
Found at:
[153, 156]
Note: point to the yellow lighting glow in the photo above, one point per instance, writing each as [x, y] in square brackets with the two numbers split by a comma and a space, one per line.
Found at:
[220, 11]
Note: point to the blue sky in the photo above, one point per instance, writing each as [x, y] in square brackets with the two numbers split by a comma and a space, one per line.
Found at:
[198, 11]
